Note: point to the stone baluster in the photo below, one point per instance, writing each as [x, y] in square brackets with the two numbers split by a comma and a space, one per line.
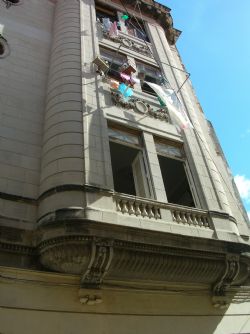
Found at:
[144, 211]
[150, 211]
[118, 205]
[124, 206]
[137, 209]
[131, 210]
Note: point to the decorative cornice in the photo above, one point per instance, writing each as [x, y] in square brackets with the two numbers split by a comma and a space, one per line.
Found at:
[153, 10]
[109, 261]
[17, 248]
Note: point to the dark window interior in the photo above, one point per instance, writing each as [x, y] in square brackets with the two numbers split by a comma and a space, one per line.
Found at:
[150, 74]
[122, 158]
[102, 12]
[115, 62]
[175, 181]
[1, 48]
[136, 28]
[146, 88]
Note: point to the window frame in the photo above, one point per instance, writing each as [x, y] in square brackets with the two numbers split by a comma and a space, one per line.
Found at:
[147, 179]
[155, 76]
[113, 73]
[184, 160]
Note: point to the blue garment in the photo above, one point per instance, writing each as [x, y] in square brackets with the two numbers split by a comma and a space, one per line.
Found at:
[125, 90]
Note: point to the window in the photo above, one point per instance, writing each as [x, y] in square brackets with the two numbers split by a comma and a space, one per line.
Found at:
[128, 165]
[115, 61]
[135, 27]
[174, 173]
[104, 12]
[150, 74]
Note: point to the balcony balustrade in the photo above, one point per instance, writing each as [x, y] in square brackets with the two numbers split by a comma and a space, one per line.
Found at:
[145, 208]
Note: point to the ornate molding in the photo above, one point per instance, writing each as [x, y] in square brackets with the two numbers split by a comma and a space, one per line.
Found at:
[144, 265]
[129, 43]
[17, 248]
[156, 11]
[100, 260]
[140, 106]
[232, 268]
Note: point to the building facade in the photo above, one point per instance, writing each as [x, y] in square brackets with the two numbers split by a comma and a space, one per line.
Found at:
[118, 212]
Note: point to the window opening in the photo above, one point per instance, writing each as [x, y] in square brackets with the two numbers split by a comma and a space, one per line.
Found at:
[106, 16]
[134, 29]
[150, 74]
[174, 173]
[114, 60]
[128, 167]
[102, 12]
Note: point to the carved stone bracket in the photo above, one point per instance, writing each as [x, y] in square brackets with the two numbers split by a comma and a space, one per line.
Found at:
[232, 268]
[140, 106]
[100, 260]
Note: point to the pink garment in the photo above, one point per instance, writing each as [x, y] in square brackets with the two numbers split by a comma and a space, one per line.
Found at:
[113, 31]
[125, 76]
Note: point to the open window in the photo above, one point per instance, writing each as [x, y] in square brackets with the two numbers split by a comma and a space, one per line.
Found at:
[135, 27]
[115, 61]
[148, 73]
[104, 12]
[175, 173]
[128, 165]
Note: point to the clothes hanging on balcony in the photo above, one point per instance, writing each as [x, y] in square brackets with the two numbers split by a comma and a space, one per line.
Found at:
[125, 17]
[125, 90]
[169, 99]
[114, 84]
[113, 31]
[129, 79]
[106, 24]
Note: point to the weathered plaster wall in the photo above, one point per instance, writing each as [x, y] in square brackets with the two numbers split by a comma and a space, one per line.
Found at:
[27, 28]
[50, 304]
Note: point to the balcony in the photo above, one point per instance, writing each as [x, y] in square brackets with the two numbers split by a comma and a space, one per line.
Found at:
[144, 208]
[127, 41]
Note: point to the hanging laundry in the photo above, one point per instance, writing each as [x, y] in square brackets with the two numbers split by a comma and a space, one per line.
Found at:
[125, 77]
[129, 79]
[125, 17]
[129, 69]
[106, 24]
[125, 90]
[134, 79]
[114, 84]
[169, 99]
[113, 31]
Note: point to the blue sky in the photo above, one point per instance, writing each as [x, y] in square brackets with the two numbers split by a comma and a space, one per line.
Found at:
[215, 49]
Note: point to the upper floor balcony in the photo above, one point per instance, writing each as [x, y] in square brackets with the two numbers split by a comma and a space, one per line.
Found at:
[125, 32]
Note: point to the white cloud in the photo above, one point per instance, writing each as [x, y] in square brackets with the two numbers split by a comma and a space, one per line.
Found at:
[243, 185]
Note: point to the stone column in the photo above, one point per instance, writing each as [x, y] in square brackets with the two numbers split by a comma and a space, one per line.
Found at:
[62, 158]
[62, 173]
